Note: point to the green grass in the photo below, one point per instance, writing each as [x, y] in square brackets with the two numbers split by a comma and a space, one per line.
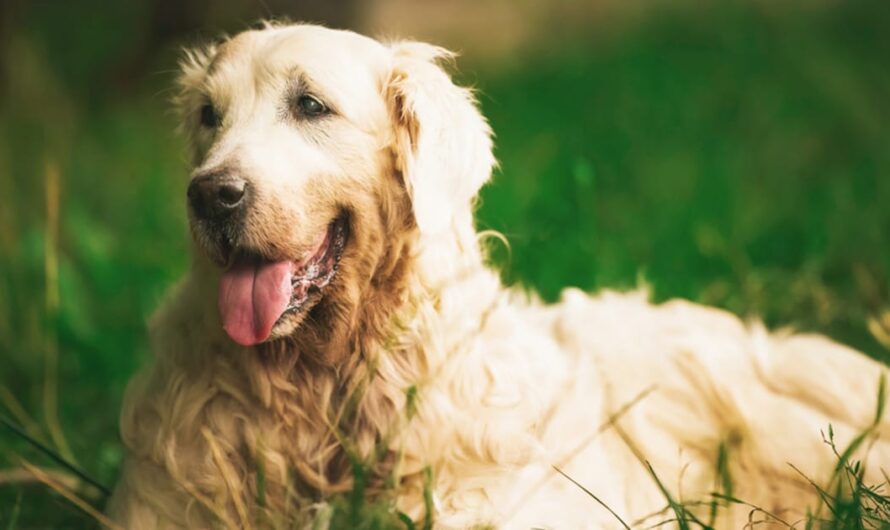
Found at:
[735, 156]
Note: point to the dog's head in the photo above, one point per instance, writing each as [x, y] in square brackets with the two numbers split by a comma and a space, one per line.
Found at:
[319, 155]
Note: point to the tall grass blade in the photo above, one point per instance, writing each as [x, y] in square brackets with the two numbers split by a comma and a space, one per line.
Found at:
[594, 497]
[51, 349]
[44, 477]
[428, 503]
[679, 510]
[845, 457]
[823, 495]
[54, 456]
[725, 481]
[14, 514]
[882, 400]
[19, 413]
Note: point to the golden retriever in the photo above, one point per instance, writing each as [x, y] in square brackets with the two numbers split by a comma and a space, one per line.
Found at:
[339, 312]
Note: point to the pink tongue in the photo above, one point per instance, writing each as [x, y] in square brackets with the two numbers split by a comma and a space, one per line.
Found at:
[252, 297]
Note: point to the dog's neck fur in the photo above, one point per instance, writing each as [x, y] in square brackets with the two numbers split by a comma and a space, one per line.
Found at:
[357, 405]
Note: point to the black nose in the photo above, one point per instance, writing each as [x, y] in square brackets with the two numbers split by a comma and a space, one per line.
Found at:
[216, 195]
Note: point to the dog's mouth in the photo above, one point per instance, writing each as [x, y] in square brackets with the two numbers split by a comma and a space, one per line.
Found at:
[255, 294]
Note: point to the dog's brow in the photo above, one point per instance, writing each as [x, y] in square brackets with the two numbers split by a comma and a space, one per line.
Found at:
[300, 83]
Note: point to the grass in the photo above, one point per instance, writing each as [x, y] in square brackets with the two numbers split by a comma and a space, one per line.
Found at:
[738, 156]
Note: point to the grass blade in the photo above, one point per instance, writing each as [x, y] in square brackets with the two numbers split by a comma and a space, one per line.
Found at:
[594, 497]
[44, 477]
[678, 509]
[428, 503]
[51, 349]
[55, 457]
[14, 514]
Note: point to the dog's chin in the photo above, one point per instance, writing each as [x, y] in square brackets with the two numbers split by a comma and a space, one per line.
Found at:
[263, 299]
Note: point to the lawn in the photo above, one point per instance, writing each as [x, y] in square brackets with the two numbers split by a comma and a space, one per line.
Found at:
[735, 156]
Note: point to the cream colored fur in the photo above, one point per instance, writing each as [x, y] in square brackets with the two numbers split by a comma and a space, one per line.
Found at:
[506, 387]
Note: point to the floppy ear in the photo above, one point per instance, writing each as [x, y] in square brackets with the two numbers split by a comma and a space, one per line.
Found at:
[442, 142]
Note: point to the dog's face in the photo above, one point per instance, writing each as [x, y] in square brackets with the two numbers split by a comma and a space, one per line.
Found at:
[318, 153]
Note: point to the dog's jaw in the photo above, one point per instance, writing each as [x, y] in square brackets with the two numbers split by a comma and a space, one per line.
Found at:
[316, 273]
[261, 298]
[311, 283]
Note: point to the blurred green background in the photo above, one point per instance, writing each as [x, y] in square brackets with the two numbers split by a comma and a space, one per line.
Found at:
[736, 153]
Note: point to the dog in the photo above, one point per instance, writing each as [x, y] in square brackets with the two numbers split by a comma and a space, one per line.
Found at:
[339, 315]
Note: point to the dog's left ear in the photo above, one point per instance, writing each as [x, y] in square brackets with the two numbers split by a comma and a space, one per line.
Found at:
[442, 142]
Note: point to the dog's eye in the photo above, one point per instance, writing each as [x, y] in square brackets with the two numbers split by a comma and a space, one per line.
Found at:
[311, 106]
[209, 117]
